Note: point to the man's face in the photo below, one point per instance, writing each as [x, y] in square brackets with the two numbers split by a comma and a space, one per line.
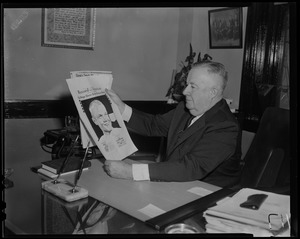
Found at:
[199, 91]
[101, 118]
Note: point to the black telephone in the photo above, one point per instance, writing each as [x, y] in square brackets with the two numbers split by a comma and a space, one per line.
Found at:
[61, 141]
[254, 201]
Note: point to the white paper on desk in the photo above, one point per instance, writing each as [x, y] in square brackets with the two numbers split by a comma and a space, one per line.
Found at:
[219, 225]
[106, 127]
[199, 191]
[84, 135]
[273, 204]
[151, 210]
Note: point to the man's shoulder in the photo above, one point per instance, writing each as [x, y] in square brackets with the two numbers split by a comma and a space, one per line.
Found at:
[221, 112]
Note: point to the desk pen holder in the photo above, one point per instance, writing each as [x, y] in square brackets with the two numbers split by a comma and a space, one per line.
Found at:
[69, 205]
[64, 190]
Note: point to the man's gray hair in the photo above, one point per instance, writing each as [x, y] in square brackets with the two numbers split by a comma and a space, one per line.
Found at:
[216, 68]
[95, 103]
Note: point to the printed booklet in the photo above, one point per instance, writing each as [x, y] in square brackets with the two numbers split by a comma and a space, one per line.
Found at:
[101, 120]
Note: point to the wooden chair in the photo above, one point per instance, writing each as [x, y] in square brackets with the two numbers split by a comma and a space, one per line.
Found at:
[267, 161]
[247, 138]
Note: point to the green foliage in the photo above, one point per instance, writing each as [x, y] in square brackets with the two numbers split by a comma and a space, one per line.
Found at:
[175, 91]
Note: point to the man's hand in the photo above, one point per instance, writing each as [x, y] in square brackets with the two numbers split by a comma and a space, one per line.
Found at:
[118, 169]
[116, 99]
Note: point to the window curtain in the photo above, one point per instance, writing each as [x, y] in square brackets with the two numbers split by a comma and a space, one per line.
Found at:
[265, 75]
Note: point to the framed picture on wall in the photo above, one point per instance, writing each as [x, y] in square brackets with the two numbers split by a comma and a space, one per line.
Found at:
[69, 27]
[225, 28]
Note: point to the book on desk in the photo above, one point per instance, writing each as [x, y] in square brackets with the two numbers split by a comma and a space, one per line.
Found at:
[51, 168]
[52, 175]
[72, 165]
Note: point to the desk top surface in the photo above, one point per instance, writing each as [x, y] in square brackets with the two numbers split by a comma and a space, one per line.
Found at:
[30, 210]
[140, 199]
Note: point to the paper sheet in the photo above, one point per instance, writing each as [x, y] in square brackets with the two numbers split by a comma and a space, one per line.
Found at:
[84, 135]
[100, 116]
[275, 204]
[200, 191]
[151, 210]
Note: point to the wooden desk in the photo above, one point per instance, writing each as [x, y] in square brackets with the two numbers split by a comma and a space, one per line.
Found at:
[135, 197]
[29, 210]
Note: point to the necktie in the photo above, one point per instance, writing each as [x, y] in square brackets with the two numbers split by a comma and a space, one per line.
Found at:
[188, 122]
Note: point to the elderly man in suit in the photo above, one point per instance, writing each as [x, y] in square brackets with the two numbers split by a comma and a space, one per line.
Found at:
[207, 149]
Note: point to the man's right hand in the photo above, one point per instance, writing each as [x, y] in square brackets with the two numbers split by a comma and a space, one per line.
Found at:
[116, 99]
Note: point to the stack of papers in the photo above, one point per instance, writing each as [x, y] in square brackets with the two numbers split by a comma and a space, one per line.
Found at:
[270, 219]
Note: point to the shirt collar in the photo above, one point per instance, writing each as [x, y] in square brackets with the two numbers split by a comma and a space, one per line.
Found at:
[194, 119]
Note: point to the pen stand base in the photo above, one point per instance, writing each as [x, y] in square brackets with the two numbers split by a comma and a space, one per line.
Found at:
[64, 190]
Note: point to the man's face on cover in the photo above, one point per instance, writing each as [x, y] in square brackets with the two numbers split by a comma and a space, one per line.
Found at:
[101, 118]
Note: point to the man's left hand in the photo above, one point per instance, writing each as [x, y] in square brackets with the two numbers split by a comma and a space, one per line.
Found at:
[118, 169]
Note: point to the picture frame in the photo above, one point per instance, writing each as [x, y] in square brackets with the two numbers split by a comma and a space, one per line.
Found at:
[225, 28]
[69, 27]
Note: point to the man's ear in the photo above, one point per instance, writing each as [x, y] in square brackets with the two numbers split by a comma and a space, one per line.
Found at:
[213, 92]
[94, 120]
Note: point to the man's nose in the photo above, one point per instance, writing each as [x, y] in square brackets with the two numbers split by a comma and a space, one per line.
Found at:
[186, 90]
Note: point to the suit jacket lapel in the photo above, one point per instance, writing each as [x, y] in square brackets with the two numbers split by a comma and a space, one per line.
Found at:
[178, 138]
[182, 136]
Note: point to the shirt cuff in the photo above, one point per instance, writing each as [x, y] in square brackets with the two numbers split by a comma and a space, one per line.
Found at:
[140, 172]
[127, 113]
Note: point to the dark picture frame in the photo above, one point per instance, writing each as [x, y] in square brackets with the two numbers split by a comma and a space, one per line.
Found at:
[225, 28]
[69, 27]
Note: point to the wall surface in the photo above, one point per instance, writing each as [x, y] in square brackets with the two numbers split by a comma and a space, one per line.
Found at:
[141, 46]
[231, 58]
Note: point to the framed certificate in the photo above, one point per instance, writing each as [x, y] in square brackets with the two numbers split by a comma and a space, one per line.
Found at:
[69, 27]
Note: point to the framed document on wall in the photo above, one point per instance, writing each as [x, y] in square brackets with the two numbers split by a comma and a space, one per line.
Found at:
[69, 27]
[225, 28]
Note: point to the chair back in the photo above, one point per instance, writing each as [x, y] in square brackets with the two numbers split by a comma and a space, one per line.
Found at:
[267, 161]
[247, 138]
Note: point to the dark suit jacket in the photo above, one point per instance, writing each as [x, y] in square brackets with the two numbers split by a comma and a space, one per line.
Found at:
[209, 150]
